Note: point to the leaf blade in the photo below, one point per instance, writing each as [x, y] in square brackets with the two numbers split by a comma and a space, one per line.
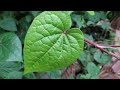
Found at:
[10, 47]
[52, 38]
[8, 24]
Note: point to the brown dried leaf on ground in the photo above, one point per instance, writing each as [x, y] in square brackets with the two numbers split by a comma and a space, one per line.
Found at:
[71, 70]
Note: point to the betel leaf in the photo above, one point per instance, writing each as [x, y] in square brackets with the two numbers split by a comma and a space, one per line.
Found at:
[50, 44]
[8, 24]
[10, 47]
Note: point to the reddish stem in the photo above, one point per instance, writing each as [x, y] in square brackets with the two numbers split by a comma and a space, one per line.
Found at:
[96, 45]
[110, 45]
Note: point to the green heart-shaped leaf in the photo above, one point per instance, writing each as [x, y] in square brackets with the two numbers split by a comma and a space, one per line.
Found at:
[50, 44]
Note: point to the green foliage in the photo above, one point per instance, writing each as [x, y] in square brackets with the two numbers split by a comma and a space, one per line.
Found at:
[11, 59]
[91, 12]
[92, 69]
[15, 75]
[87, 76]
[96, 17]
[85, 57]
[14, 25]
[92, 72]
[8, 67]
[10, 47]
[30, 76]
[102, 58]
[54, 75]
[35, 13]
[54, 45]
[79, 20]
[8, 24]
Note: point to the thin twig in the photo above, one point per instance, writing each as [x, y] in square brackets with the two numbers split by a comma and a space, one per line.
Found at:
[96, 45]
[109, 45]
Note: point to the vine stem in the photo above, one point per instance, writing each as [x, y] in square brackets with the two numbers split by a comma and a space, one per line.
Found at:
[110, 45]
[96, 45]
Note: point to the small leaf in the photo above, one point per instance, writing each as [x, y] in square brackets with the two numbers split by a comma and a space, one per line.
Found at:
[105, 26]
[89, 37]
[91, 12]
[85, 57]
[92, 69]
[28, 18]
[10, 47]
[79, 20]
[102, 58]
[95, 18]
[8, 24]
[90, 23]
[53, 44]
